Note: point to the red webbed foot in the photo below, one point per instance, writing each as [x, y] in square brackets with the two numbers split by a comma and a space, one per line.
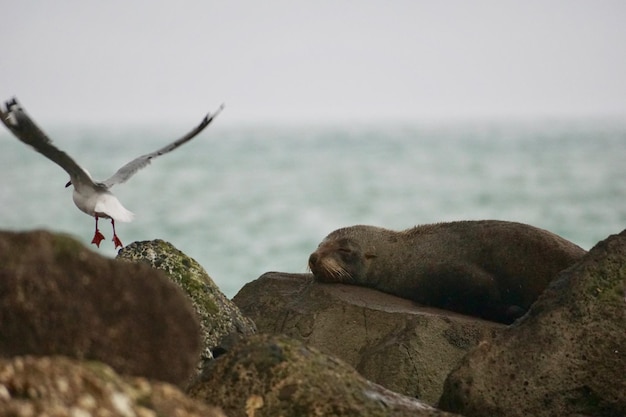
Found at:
[97, 238]
[117, 242]
[116, 239]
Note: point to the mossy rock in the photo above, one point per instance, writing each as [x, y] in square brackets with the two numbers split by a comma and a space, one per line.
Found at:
[218, 316]
[273, 375]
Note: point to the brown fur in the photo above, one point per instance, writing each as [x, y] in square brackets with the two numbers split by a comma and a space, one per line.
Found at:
[490, 269]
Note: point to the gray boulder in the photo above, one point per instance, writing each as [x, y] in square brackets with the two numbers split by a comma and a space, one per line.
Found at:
[389, 340]
[567, 356]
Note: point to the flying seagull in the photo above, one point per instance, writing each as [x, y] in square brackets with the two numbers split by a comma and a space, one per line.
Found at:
[93, 197]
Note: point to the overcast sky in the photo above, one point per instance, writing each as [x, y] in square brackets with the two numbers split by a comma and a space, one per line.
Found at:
[288, 61]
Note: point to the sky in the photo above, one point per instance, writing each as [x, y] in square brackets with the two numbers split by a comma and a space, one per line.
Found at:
[89, 62]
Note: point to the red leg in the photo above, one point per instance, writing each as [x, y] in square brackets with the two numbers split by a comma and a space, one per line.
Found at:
[116, 239]
[97, 237]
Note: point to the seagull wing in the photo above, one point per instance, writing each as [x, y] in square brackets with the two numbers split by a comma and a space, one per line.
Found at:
[25, 129]
[128, 170]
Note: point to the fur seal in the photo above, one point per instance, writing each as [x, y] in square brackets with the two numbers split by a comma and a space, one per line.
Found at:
[489, 268]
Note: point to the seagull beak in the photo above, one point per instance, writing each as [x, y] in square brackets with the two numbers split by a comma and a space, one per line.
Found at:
[68, 183]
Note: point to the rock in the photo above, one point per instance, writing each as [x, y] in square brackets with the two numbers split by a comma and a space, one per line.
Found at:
[60, 387]
[59, 298]
[219, 317]
[389, 340]
[269, 375]
[567, 356]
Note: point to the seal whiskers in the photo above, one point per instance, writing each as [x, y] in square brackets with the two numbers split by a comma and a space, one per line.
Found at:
[329, 267]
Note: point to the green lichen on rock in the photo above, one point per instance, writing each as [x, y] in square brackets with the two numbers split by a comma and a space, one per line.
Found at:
[218, 316]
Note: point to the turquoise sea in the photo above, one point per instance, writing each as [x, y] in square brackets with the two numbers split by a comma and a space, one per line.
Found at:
[243, 200]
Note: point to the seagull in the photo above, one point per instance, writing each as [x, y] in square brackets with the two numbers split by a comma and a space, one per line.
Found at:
[92, 197]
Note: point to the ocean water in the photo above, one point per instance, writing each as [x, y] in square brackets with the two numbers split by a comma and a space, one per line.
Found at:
[250, 199]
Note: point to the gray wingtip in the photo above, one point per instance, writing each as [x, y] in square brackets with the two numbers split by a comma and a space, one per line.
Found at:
[210, 116]
[11, 106]
[218, 111]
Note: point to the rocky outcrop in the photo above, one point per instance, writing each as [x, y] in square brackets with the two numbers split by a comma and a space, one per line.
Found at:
[271, 376]
[59, 298]
[567, 356]
[219, 317]
[391, 341]
[60, 387]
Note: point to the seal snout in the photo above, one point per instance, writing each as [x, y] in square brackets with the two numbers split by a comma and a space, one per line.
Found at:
[313, 259]
[327, 266]
[316, 265]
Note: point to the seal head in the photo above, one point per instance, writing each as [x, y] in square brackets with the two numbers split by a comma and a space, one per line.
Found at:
[339, 258]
